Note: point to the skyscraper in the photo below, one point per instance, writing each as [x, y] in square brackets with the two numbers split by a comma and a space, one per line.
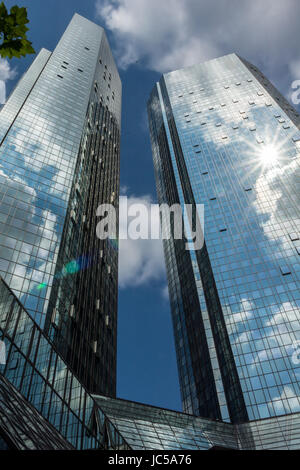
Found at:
[59, 159]
[223, 136]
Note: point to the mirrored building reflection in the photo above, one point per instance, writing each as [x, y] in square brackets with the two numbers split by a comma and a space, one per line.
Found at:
[223, 136]
[59, 159]
[43, 404]
[147, 427]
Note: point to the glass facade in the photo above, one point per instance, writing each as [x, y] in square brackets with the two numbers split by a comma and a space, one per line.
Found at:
[59, 159]
[39, 392]
[44, 406]
[22, 427]
[223, 136]
[149, 428]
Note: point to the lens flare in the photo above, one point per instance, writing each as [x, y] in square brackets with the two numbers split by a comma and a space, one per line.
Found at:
[269, 155]
[72, 267]
[79, 264]
[41, 286]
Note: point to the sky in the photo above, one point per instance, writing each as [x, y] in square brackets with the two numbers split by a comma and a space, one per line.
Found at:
[147, 40]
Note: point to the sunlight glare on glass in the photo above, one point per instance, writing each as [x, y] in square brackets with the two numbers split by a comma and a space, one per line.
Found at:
[269, 155]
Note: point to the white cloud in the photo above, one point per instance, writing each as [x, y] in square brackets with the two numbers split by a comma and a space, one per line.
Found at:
[165, 293]
[124, 190]
[287, 402]
[295, 69]
[174, 33]
[6, 73]
[140, 261]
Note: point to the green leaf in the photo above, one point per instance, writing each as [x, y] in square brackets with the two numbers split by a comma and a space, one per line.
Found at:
[3, 10]
[13, 31]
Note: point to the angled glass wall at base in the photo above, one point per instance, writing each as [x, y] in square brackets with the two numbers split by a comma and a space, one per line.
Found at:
[32, 366]
[22, 427]
[147, 427]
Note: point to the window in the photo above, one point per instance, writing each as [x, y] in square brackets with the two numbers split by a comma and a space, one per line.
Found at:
[294, 236]
[285, 271]
[72, 311]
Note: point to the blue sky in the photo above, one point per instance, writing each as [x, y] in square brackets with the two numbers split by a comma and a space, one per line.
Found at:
[148, 40]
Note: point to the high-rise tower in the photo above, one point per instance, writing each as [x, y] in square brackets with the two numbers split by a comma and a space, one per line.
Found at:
[59, 160]
[223, 136]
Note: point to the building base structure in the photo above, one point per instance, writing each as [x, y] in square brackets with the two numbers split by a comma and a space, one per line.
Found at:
[43, 406]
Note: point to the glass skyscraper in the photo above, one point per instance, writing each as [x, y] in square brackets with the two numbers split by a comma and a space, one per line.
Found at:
[223, 136]
[233, 302]
[59, 159]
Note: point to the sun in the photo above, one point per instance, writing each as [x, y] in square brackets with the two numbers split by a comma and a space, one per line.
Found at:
[269, 155]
